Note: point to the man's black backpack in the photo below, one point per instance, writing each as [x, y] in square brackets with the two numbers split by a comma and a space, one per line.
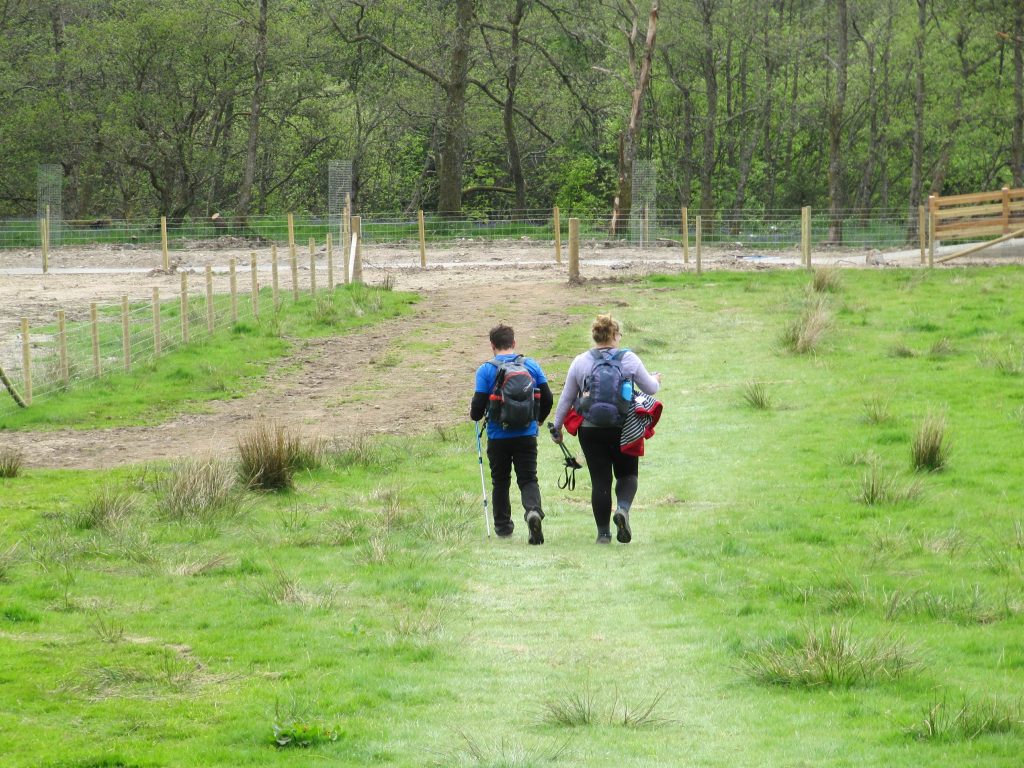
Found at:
[607, 395]
[514, 399]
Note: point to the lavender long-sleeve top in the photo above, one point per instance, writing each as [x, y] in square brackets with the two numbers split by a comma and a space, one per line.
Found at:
[632, 367]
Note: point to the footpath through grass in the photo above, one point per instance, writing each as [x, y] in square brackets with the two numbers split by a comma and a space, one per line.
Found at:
[795, 594]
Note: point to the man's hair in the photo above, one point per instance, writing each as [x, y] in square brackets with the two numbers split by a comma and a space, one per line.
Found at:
[502, 336]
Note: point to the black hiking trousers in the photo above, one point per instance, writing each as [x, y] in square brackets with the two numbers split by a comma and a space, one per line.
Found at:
[605, 458]
[503, 455]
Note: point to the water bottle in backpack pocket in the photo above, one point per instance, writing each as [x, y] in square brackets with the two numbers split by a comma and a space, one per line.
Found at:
[515, 399]
[607, 396]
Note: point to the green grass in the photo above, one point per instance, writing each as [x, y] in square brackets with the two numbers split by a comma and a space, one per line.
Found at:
[227, 365]
[763, 615]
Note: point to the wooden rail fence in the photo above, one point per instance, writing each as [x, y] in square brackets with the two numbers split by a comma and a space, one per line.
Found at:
[980, 214]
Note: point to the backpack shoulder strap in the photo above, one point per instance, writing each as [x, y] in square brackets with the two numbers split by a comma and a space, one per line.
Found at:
[597, 354]
[520, 360]
[620, 354]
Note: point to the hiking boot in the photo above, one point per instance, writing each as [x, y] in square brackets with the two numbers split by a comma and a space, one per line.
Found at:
[504, 531]
[604, 538]
[621, 520]
[533, 523]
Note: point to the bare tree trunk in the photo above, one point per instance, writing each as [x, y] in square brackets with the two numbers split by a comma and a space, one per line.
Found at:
[453, 121]
[515, 161]
[1017, 153]
[259, 67]
[835, 125]
[707, 11]
[917, 149]
[628, 138]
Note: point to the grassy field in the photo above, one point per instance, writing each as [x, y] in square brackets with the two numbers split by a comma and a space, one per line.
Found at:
[796, 593]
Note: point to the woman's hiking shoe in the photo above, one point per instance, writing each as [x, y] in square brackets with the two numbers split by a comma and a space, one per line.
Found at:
[533, 523]
[621, 520]
[504, 533]
[604, 538]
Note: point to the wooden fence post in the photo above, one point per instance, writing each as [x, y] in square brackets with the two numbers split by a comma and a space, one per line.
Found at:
[295, 276]
[346, 237]
[163, 244]
[357, 264]
[157, 335]
[330, 264]
[233, 279]
[26, 362]
[933, 205]
[94, 322]
[184, 307]
[697, 241]
[423, 238]
[273, 275]
[312, 267]
[1006, 206]
[255, 286]
[62, 341]
[126, 335]
[574, 250]
[684, 230]
[209, 299]
[922, 232]
[556, 216]
[647, 225]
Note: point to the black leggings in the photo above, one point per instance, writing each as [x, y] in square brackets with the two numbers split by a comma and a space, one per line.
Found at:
[601, 447]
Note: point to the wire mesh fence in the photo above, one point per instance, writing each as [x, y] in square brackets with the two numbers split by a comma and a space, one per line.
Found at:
[646, 226]
[81, 347]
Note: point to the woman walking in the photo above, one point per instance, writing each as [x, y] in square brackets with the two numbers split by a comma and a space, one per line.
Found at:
[600, 388]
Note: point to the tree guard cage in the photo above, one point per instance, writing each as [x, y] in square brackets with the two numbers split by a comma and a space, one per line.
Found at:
[49, 197]
[643, 213]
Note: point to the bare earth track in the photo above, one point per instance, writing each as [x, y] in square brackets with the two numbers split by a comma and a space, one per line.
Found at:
[361, 383]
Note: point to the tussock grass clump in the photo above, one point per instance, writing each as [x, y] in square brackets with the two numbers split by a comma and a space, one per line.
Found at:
[755, 393]
[826, 280]
[582, 707]
[964, 606]
[929, 451]
[901, 350]
[830, 658]
[280, 589]
[506, 754]
[198, 490]
[325, 311]
[571, 710]
[880, 487]
[805, 334]
[967, 720]
[360, 452]
[942, 348]
[876, 410]
[9, 558]
[1008, 361]
[108, 511]
[12, 461]
[270, 455]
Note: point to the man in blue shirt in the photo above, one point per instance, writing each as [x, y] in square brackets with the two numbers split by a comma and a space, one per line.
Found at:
[511, 447]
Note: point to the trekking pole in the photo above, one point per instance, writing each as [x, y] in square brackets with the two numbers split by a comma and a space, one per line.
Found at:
[483, 486]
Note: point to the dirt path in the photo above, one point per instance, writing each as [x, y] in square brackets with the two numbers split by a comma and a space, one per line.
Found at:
[368, 381]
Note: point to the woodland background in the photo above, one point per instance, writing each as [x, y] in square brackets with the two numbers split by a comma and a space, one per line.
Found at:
[191, 107]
